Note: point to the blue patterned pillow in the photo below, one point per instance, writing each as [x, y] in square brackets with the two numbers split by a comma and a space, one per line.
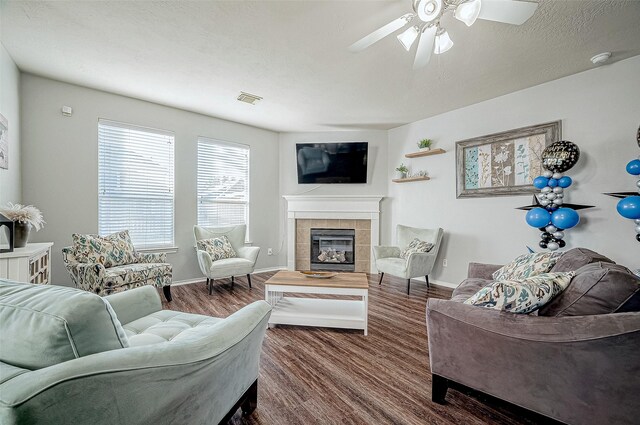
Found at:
[521, 296]
[218, 248]
[527, 265]
[111, 250]
[416, 245]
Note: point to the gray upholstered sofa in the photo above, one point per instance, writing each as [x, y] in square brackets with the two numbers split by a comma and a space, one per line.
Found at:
[71, 357]
[577, 361]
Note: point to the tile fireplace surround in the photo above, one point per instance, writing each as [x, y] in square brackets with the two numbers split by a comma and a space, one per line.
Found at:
[361, 213]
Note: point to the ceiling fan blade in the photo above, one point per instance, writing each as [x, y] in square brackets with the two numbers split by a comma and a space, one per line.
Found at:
[381, 33]
[512, 12]
[425, 47]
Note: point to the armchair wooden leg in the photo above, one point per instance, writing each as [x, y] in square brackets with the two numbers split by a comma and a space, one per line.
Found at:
[249, 279]
[167, 292]
[210, 281]
[251, 402]
[381, 276]
[408, 285]
[439, 386]
[232, 280]
[427, 279]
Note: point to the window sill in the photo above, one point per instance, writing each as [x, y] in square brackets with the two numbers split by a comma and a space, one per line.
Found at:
[168, 250]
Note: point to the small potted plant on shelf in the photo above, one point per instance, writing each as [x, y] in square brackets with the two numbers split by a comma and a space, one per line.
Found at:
[425, 144]
[24, 217]
[401, 171]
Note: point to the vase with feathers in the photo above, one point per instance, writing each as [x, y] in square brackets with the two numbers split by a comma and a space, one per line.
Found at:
[25, 217]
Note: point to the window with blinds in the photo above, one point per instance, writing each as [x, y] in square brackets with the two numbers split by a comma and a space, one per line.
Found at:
[135, 183]
[223, 183]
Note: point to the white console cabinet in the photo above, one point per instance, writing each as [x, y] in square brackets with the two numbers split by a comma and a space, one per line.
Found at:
[31, 264]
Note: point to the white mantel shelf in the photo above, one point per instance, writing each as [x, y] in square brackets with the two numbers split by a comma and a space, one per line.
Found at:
[333, 207]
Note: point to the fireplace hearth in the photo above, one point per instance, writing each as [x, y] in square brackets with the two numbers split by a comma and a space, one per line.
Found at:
[333, 249]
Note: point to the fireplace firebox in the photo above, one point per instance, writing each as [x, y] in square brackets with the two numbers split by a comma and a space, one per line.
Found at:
[333, 249]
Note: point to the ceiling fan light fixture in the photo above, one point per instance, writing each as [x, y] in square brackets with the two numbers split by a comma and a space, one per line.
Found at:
[443, 42]
[428, 10]
[408, 37]
[468, 12]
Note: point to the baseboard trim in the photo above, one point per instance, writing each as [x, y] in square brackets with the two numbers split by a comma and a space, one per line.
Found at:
[204, 279]
[441, 283]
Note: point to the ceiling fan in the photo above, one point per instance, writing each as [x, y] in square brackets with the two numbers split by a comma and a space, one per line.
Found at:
[426, 23]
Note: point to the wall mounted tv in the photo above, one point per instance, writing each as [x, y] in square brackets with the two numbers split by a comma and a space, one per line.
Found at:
[344, 162]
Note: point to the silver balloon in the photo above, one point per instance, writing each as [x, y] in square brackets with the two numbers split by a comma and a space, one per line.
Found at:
[557, 176]
[558, 189]
[548, 174]
[544, 202]
[560, 195]
[637, 220]
[551, 228]
[637, 229]
[558, 235]
[546, 189]
[638, 184]
[551, 196]
[553, 246]
[558, 201]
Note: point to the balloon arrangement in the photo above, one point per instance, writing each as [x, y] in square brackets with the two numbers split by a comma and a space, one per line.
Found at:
[629, 206]
[551, 217]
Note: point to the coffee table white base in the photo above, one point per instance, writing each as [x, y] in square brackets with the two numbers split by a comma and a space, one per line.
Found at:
[332, 313]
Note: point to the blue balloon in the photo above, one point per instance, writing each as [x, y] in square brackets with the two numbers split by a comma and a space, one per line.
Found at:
[629, 207]
[633, 167]
[538, 217]
[552, 183]
[565, 182]
[540, 182]
[565, 218]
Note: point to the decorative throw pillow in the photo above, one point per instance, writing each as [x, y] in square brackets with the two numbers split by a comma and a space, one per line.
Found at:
[416, 245]
[527, 265]
[521, 296]
[217, 248]
[112, 250]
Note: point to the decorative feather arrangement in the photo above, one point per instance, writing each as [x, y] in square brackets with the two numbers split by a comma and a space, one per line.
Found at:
[23, 214]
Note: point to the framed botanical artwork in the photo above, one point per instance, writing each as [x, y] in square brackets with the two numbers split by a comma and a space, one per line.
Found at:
[503, 164]
[4, 143]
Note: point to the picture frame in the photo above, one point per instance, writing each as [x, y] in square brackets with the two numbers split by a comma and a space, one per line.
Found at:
[505, 163]
[4, 143]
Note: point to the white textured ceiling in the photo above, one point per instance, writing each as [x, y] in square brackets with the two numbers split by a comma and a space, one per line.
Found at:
[199, 55]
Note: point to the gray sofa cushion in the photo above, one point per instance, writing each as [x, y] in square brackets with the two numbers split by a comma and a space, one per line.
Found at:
[597, 288]
[467, 288]
[45, 325]
[577, 257]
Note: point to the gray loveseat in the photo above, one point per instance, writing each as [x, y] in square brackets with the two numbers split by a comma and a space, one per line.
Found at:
[577, 361]
[71, 357]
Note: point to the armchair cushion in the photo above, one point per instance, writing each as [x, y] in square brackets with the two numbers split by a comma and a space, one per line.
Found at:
[523, 296]
[527, 265]
[416, 245]
[137, 272]
[165, 325]
[597, 288]
[66, 323]
[112, 250]
[218, 248]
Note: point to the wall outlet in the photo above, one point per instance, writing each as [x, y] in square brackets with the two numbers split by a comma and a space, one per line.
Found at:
[444, 263]
[270, 251]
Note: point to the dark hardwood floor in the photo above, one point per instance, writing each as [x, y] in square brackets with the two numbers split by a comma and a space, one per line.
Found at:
[332, 376]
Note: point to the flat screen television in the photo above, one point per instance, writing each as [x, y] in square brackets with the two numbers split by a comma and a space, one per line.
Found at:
[344, 162]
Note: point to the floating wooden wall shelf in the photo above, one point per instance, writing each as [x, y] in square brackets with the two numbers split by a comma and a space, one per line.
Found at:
[437, 151]
[410, 179]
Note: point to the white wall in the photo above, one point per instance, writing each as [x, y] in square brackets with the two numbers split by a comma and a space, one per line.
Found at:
[10, 184]
[600, 112]
[376, 175]
[60, 174]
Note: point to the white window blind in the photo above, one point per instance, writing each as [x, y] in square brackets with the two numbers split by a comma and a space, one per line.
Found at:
[135, 183]
[223, 183]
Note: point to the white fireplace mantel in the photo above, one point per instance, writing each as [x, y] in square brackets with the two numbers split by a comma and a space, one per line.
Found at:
[345, 207]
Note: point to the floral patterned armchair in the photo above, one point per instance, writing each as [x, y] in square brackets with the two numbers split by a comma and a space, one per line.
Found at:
[98, 273]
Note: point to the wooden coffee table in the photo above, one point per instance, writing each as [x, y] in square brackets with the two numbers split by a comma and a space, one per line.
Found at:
[330, 313]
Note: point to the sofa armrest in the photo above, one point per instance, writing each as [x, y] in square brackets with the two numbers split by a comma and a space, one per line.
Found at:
[482, 271]
[88, 276]
[151, 257]
[386, 252]
[249, 252]
[204, 261]
[559, 363]
[420, 263]
[135, 303]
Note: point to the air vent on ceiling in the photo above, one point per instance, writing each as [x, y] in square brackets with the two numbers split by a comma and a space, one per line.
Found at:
[249, 98]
